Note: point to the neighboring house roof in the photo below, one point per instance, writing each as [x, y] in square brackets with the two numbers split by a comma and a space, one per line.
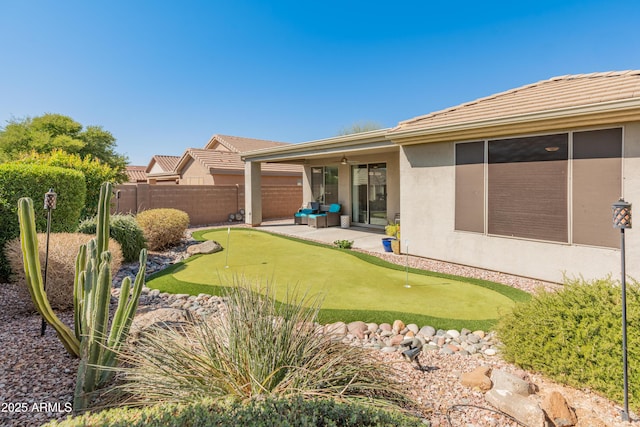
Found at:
[238, 144]
[227, 162]
[136, 173]
[557, 98]
[162, 164]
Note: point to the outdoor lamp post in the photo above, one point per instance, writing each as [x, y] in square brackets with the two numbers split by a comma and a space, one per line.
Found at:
[49, 205]
[622, 220]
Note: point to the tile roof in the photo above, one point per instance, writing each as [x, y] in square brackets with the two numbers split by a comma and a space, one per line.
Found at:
[136, 173]
[547, 95]
[166, 163]
[238, 144]
[224, 160]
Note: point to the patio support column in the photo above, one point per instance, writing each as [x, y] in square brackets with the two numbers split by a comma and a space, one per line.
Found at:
[307, 191]
[253, 193]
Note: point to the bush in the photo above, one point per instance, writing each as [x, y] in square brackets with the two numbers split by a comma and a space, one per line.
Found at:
[163, 228]
[124, 230]
[63, 249]
[575, 336]
[95, 173]
[260, 347]
[295, 412]
[343, 244]
[21, 180]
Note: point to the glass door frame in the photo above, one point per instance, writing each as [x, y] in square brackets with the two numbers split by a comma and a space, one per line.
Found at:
[362, 197]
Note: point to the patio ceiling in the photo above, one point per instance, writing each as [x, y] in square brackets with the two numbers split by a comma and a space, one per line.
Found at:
[373, 142]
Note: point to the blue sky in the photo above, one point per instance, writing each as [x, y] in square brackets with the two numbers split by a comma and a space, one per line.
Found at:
[163, 76]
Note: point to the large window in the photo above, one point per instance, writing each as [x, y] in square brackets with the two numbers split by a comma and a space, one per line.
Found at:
[527, 187]
[556, 187]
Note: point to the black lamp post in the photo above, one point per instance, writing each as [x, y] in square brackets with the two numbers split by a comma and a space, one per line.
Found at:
[622, 220]
[49, 205]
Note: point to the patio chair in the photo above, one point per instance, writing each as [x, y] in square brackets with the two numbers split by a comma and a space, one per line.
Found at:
[329, 216]
[302, 216]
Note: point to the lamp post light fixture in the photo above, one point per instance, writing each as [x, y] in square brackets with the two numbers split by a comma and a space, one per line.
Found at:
[622, 220]
[49, 204]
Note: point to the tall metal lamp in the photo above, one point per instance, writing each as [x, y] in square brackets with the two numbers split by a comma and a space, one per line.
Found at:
[49, 205]
[622, 220]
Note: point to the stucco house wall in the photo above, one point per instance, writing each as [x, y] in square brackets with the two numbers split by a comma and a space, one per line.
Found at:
[193, 173]
[427, 183]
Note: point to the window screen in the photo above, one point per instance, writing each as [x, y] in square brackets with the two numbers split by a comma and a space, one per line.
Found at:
[527, 187]
[597, 175]
[469, 214]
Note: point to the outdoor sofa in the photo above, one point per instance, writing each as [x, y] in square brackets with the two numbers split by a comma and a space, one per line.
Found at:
[328, 216]
[302, 216]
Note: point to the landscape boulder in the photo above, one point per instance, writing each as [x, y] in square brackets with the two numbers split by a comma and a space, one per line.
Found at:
[524, 409]
[161, 317]
[505, 381]
[558, 410]
[206, 247]
[478, 378]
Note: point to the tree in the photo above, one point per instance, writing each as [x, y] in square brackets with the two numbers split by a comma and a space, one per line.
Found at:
[45, 133]
[359, 127]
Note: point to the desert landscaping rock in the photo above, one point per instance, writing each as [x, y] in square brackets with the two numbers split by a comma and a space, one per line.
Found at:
[206, 247]
[506, 381]
[527, 411]
[478, 378]
[558, 410]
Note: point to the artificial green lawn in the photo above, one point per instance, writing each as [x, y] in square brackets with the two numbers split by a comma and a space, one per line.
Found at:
[354, 286]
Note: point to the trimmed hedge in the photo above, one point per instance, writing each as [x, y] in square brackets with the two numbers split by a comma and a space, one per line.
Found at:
[295, 412]
[124, 230]
[574, 336]
[95, 173]
[163, 227]
[22, 180]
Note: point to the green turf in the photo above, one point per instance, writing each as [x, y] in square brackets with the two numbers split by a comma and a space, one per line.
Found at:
[355, 286]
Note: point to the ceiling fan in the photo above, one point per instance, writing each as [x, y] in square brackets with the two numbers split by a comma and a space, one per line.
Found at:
[345, 161]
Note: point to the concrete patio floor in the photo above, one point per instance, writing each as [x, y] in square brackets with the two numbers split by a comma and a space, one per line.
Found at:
[368, 239]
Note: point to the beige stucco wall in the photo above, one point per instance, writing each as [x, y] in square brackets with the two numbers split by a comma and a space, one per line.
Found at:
[427, 187]
[194, 173]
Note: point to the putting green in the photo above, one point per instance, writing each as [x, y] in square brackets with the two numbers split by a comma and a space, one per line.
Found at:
[346, 281]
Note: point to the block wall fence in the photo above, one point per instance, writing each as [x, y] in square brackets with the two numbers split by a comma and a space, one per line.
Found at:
[207, 204]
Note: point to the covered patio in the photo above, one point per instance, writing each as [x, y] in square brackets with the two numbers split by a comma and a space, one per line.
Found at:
[360, 172]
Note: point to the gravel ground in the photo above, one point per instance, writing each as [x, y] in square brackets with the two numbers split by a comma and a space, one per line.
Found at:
[37, 376]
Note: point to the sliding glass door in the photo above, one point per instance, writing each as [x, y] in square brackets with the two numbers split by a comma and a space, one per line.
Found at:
[369, 193]
[324, 184]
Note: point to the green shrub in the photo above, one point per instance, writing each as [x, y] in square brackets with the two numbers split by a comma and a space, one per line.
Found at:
[124, 230]
[259, 348]
[295, 412]
[163, 228]
[22, 180]
[95, 173]
[343, 244]
[575, 336]
[63, 250]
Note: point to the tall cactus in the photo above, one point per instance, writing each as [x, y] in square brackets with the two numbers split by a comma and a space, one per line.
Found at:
[33, 274]
[98, 345]
[91, 340]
